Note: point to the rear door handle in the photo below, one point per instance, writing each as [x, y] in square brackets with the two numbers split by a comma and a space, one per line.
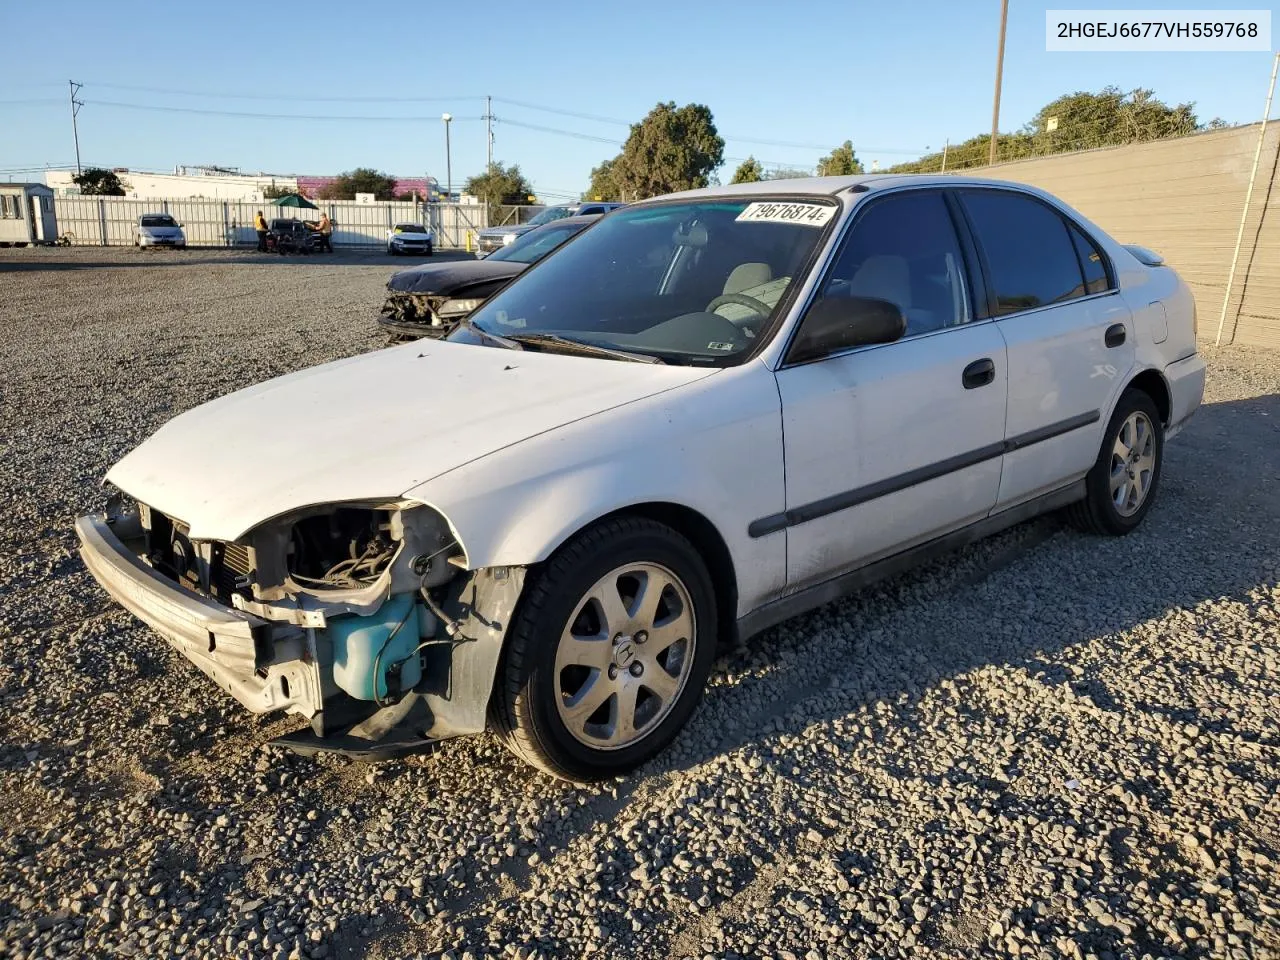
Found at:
[979, 373]
[1115, 335]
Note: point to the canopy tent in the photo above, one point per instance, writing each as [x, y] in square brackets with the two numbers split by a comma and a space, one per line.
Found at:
[294, 200]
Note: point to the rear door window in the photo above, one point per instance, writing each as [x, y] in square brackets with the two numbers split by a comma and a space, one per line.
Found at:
[1091, 262]
[1029, 250]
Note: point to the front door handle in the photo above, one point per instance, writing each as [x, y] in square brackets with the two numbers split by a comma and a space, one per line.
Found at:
[979, 373]
[1115, 335]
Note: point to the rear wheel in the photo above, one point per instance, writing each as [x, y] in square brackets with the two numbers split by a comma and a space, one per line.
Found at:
[1122, 484]
[609, 651]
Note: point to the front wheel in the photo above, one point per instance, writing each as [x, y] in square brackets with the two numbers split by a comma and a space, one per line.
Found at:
[1121, 486]
[608, 651]
[430, 249]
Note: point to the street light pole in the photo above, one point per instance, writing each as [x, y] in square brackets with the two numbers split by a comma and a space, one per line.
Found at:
[448, 159]
[995, 108]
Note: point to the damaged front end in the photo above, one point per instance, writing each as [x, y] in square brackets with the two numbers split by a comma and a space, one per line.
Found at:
[412, 316]
[361, 617]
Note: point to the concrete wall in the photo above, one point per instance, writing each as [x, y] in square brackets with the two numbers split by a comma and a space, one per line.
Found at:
[1183, 198]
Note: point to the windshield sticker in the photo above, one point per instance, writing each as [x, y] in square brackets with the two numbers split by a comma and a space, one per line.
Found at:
[717, 345]
[809, 214]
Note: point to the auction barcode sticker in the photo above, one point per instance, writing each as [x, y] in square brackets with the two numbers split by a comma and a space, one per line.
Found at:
[1121, 31]
[772, 211]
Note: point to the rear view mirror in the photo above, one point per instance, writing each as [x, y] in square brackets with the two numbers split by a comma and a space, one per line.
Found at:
[834, 324]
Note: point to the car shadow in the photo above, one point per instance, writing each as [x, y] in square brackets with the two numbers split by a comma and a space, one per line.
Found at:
[1197, 514]
[893, 642]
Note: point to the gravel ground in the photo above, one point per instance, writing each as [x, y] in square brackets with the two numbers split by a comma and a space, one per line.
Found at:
[1049, 745]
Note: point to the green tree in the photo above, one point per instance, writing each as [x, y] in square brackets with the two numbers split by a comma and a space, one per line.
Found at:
[603, 185]
[360, 180]
[1074, 121]
[670, 149]
[749, 171]
[96, 182]
[275, 192]
[840, 162]
[500, 185]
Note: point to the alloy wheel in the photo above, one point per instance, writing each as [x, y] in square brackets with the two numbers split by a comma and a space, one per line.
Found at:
[624, 656]
[1133, 463]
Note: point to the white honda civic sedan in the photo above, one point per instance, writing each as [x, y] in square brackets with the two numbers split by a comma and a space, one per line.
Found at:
[706, 413]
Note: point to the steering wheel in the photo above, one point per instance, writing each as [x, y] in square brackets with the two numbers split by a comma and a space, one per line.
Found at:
[751, 303]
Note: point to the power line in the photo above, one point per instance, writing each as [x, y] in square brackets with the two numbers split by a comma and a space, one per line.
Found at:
[400, 118]
[556, 130]
[292, 98]
[15, 103]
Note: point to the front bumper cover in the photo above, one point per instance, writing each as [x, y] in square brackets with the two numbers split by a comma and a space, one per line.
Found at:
[266, 666]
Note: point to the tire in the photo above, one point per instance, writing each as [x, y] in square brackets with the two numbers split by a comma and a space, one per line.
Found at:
[1120, 488]
[561, 715]
[431, 248]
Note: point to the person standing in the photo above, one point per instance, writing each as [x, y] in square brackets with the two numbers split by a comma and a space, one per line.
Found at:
[326, 233]
[260, 225]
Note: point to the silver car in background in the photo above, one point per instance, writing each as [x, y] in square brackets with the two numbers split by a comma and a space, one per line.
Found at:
[158, 230]
[495, 238]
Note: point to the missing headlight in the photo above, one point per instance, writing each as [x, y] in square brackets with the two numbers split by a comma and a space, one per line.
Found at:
[349, 547]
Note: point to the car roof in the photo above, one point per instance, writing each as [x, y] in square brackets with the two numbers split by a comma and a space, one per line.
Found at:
[156, 213]
[832, 186]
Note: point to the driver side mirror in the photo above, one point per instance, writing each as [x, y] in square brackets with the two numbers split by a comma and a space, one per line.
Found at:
[834, 324]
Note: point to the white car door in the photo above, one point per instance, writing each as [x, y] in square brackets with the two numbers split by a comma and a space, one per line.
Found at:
[1070, 338]
[893, 444]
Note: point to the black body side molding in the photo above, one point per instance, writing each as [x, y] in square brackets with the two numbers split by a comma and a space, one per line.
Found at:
[784, 608]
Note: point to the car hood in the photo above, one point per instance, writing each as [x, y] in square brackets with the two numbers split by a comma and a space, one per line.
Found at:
[412, 237]
[162, 231]
[450, 278]
[369, 427]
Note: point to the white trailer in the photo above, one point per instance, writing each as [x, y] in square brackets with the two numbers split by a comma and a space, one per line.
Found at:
[26, 214]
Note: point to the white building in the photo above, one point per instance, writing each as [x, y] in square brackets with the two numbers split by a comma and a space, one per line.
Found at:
[185, 183]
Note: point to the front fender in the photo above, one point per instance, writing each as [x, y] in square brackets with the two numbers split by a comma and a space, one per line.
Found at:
[714, 447]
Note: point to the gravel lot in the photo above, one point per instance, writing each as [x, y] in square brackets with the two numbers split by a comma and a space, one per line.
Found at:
[1047, 745]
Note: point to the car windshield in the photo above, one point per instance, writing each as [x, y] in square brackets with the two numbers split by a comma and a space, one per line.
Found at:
[549, 214]
[536, 244]
[159, 220]
[410, 228]
[689, 282]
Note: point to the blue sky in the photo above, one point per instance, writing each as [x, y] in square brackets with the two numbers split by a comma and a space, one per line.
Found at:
[895, 78]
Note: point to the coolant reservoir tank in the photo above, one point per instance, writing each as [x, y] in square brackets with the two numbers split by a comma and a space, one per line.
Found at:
[359, 641]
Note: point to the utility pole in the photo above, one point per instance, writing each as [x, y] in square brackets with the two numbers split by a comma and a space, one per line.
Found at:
[488, 117]
[945, 147]
[995, 109]
[448, 159]
[75, 109]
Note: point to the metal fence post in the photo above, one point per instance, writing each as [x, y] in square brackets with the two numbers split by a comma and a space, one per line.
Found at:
[1244, 214]
[102, 219]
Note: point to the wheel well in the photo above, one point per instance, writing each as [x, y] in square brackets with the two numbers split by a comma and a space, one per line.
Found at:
[706, 539]
[1152, 384]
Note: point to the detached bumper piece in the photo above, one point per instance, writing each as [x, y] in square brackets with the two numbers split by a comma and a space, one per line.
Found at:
[261, 664]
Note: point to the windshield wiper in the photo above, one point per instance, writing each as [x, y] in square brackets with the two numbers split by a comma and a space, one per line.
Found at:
[582, 346]
[484, 334]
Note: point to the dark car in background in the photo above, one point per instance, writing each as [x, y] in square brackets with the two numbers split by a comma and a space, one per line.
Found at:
[286, 235]
[428, 301]
[495, 238]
